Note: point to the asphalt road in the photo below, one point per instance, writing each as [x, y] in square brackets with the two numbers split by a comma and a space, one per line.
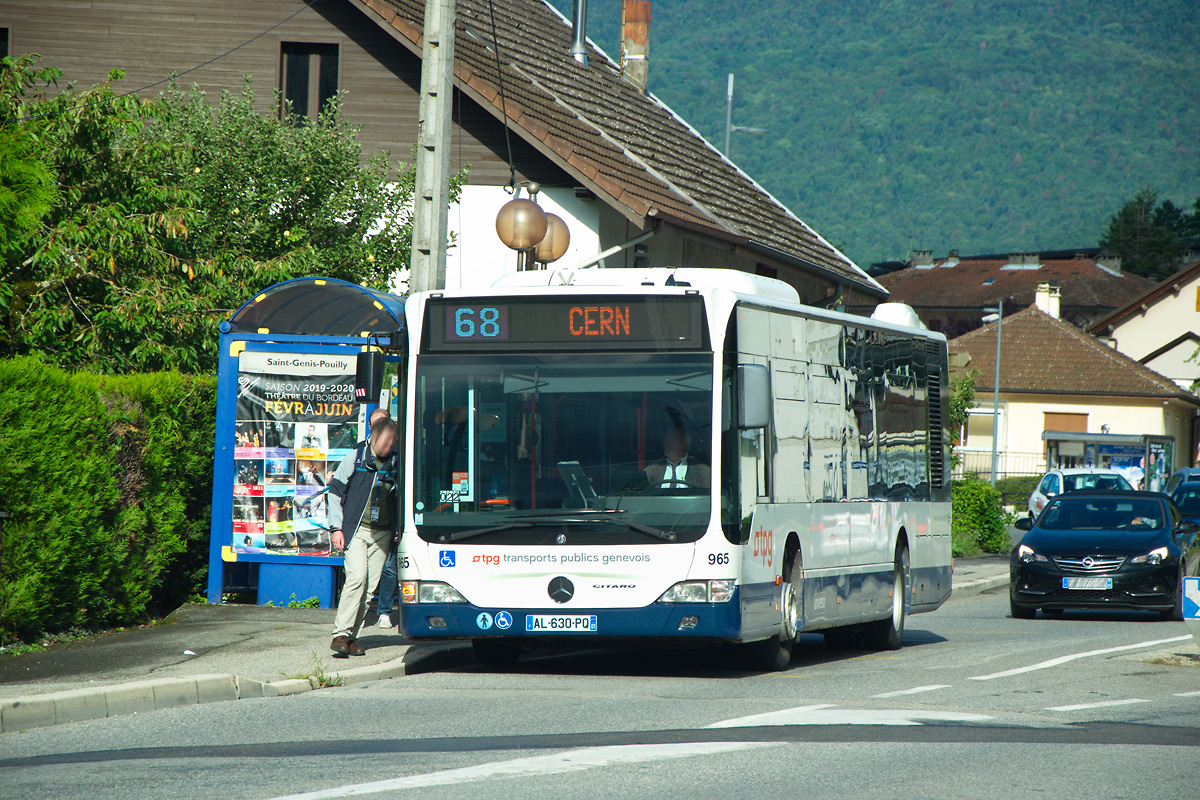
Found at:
[976, 705]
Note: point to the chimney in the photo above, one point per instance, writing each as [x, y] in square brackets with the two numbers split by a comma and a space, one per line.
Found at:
[1109, 262]
[635, 42]
[1047, 298]
[579, 32]
[921, 258]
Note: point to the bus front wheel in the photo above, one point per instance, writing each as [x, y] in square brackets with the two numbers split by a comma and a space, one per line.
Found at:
[774, 654]
[496, 652]
[888, 633]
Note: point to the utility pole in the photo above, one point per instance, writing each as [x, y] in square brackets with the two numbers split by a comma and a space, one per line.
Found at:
[431, 198]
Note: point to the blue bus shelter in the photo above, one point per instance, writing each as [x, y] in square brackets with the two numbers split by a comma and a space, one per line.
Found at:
[286, 416]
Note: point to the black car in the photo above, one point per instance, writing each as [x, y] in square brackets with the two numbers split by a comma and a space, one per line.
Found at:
[1187, 497]
[1102, 549]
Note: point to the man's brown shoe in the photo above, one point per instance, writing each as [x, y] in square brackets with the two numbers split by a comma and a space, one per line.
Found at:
[341, 646]
[355, 648]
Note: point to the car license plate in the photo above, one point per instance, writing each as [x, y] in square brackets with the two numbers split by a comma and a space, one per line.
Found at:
[560, 623]
[1087, 583]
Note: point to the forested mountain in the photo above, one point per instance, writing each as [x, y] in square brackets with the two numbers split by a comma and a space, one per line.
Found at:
[985, 126]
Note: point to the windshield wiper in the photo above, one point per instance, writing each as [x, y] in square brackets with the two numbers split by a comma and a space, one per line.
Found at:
[473, 532]
[608, 516]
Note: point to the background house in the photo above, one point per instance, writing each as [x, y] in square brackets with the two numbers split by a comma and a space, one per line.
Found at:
[949, 294]
[614, 162]
[1160, 328]
[1057, 378]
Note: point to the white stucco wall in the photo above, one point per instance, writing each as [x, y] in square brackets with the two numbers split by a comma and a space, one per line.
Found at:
[1166, 319]
[479, 257]
[1022, 421]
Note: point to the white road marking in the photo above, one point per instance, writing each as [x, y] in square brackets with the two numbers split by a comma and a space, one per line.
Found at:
[914, 690]
[1054, 662]
[1187, 694]
[831, 715]
[553, 764]
[1105, 704]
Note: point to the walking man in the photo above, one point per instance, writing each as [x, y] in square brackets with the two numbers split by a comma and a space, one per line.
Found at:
[362, 523]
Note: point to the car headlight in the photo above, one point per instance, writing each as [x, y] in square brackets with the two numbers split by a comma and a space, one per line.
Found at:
[1155, 556]
[429, 592]
[1026, 555]
[718, 591]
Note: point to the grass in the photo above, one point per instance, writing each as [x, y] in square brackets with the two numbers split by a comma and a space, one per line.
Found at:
[316, 675]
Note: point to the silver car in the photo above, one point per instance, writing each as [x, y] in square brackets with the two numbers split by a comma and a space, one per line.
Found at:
[1061, 481]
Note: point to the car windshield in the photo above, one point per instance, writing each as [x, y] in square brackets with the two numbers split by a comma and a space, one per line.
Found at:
[1108, 483]
[519, 449]
[1188, 499]
[1103, 513]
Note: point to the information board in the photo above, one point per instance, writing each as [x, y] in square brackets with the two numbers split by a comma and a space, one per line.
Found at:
[296, 421]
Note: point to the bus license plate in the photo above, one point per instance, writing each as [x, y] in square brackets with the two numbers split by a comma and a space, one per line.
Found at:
[1087, 583]
[560, 623]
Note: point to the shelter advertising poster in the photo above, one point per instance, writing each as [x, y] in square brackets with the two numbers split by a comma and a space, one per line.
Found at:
[296, 421]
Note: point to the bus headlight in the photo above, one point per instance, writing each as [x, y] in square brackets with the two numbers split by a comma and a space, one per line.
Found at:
[429, 592]
[718, 591]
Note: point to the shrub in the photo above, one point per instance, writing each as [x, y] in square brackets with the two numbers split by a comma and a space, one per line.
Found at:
[978, 517]
[108, 483]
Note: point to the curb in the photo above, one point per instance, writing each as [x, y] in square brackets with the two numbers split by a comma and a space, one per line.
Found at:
[978, 586]
[78, 705]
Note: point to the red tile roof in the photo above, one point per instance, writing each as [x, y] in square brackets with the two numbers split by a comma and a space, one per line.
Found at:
[628, 147]
[1043, 355]
[1083, 284]
[1147, 298]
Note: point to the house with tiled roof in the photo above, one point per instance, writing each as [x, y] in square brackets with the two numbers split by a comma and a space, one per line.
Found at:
[1160, 328]
[630, 177]
[949, 294]
[1056, 378]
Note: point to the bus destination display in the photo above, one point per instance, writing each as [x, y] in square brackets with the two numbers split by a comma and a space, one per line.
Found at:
[511, 323]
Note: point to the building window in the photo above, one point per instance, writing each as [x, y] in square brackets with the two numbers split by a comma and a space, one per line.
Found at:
[308, 77]
[4, 49]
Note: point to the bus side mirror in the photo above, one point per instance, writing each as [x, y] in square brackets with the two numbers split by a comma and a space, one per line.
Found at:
[754, 396]
[368, 376]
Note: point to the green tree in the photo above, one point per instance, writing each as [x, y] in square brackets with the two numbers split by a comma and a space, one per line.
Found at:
[168, 212]
[962, 400]
[1144, 235]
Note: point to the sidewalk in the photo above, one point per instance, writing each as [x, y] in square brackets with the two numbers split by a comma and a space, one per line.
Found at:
[207, 653]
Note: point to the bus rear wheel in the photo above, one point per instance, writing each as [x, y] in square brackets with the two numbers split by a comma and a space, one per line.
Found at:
[496, 652]
[888, 633]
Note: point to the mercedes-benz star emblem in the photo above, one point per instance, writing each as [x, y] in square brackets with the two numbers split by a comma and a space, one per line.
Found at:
[561, 590]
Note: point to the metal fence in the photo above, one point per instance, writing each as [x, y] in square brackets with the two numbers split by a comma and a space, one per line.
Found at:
[1009, 464]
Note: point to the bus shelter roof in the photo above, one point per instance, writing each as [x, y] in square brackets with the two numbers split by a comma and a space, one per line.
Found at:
[318, 307]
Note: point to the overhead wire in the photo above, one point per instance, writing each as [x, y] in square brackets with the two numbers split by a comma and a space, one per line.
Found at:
[512, 167]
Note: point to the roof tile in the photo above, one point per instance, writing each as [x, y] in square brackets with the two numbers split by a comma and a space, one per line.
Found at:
[596, 118]
[1039, 353]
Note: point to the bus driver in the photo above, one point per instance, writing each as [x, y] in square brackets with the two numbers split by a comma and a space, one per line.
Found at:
[679, 468]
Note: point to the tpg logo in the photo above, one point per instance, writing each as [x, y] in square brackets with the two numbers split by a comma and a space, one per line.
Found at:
[446, 558]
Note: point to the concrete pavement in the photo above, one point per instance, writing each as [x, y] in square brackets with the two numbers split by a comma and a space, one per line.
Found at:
[209, 653]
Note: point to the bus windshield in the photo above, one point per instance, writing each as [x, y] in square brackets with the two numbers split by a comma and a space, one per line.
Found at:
[586, 449]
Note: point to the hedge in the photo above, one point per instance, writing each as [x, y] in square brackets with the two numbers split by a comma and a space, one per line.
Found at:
[979, 520]
[108, 483]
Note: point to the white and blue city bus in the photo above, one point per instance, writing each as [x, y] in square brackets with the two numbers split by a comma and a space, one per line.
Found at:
[670, 454]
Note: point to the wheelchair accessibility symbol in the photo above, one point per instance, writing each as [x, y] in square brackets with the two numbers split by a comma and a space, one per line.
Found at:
[504, 620]
[446, 558]
[484, 621]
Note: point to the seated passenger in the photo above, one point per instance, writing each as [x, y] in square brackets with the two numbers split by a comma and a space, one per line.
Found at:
[679, 469]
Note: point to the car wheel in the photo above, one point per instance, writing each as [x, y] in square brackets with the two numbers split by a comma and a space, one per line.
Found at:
[496, 652]
[888, 634]
[1175, 614]
[1020, 612]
